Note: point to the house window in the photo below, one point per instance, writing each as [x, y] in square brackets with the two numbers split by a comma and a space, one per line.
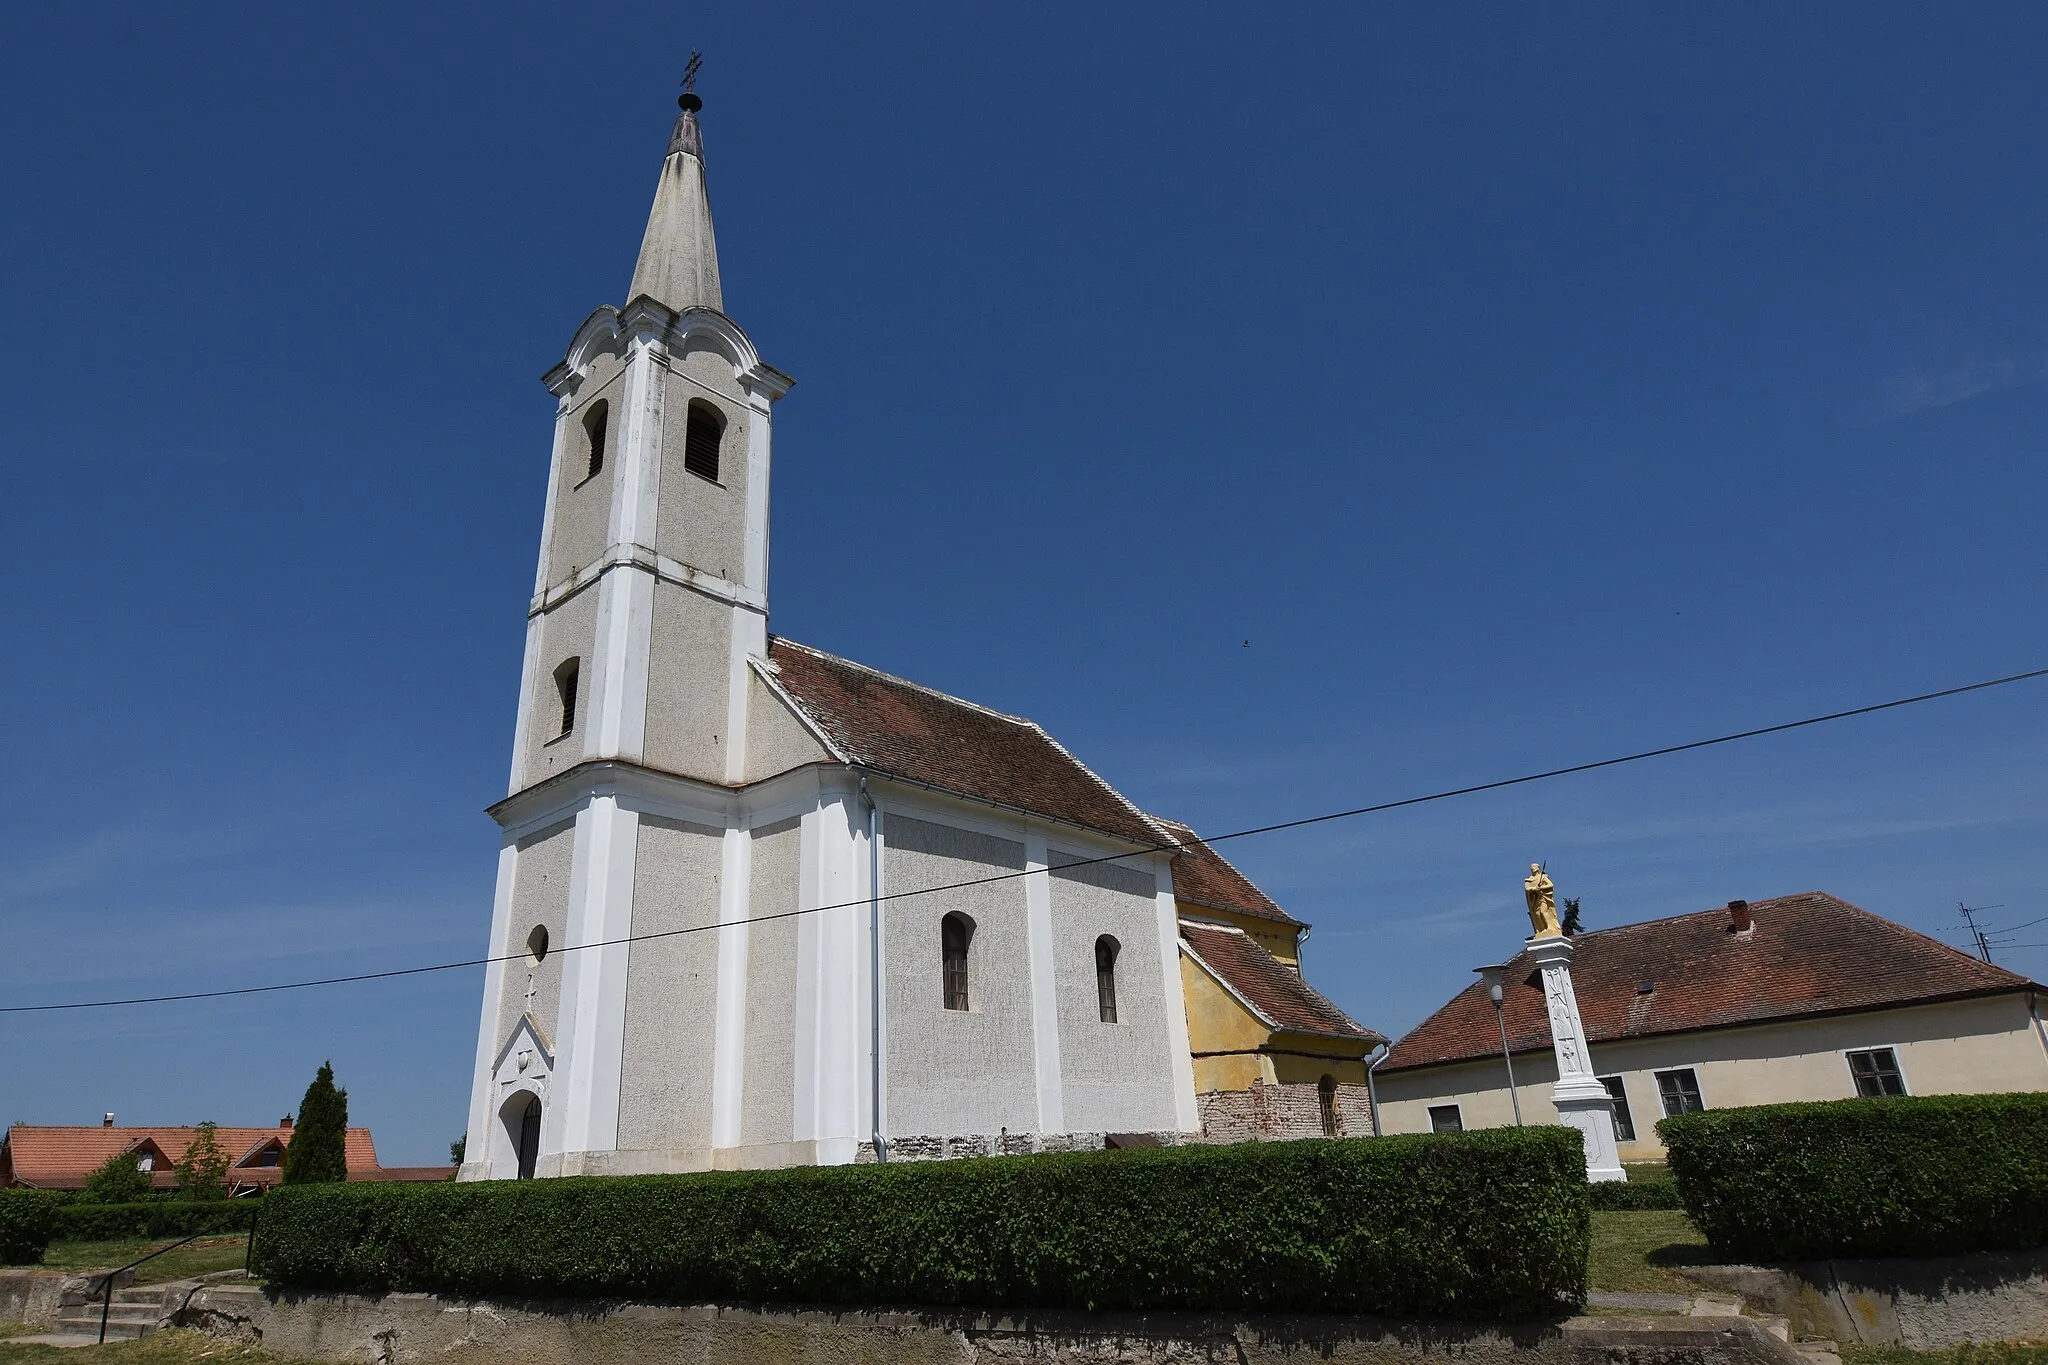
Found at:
[146, 1162]
[1105, 977]
[1326, 1104]
[268, 1157]
[955, 932]
[701, 440]
[595, 424]
[1445, 1118]
[1680, 1091]
[565, 689]
[529, 1138]
[1624, 1122]
[1877, 1072]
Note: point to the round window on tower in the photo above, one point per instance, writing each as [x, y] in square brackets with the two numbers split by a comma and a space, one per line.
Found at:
[537, 942]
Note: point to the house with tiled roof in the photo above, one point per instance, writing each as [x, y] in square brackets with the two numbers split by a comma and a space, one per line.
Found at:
[58, 1157]
[760, 905]
[1802, 997]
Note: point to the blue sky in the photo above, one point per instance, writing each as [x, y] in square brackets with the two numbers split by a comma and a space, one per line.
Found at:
[1290, 410]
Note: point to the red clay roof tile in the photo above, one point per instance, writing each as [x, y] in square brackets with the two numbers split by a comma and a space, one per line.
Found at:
[1266, 983]
[60, 1158]
[1202, 876]
[1808, 954]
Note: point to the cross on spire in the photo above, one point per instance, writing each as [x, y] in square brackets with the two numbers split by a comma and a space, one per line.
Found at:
[689, 100]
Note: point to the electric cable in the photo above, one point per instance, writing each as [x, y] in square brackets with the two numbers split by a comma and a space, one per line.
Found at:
[1196, 842]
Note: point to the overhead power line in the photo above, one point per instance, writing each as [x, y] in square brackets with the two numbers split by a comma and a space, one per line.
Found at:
[1302, 823]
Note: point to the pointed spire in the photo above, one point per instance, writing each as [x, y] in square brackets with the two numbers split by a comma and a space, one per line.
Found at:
[678, 263]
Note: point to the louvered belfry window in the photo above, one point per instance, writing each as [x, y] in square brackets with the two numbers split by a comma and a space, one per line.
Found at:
[594, 424]
[1105, 978]
[702, 439]
[954, 932]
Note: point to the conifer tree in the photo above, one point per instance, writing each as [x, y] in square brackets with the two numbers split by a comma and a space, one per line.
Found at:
[203, 1170]
[317, 1152]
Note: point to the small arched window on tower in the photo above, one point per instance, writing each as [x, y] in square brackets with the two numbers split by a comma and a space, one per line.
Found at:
[702, 439]
[1105, 977]
[565, 689]
[596, 423]
[1326, 1101]
[955, 933]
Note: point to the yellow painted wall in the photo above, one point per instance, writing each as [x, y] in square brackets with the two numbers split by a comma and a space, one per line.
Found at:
[1984, 1046]
[1341, 1058]
[1218, 1023]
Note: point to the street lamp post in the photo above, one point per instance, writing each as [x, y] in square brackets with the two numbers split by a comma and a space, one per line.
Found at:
[1492, 977]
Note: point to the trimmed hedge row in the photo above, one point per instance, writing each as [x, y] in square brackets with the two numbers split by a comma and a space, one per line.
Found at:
[154, 1218]
[28, 1224]
[1488, 1224]
[1634, 1194]
[1898, 1176]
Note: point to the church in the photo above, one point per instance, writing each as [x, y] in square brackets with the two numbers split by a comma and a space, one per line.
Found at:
[761, 906]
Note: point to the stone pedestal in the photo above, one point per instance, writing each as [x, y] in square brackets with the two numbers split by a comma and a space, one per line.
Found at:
[1582, 1102]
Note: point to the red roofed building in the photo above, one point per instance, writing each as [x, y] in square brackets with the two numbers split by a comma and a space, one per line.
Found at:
[1803, 997]
[62, 1158]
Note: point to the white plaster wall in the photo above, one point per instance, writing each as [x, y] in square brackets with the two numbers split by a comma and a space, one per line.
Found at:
[768, 1093]
[671, 988]
[704, 524]
[1980, 1046]
[540, 896]
[776, 740]
[688, 684]
[1116, 1078]
[569, 631]
[953, 1072]
[581, 526]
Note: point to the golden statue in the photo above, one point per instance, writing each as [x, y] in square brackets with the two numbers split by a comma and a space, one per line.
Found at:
[1541, 894]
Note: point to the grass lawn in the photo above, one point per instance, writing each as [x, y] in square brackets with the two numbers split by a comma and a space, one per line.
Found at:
[1998, 1353]
[206, 1254]
[1634, 1251]
[162, 1348]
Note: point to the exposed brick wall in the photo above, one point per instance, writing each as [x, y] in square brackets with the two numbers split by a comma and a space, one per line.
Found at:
[1270, 1112]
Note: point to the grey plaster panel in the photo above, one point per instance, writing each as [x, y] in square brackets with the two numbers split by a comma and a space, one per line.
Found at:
[583, 505]
[540, 896]
[671, 988]
[569, 631]
[952, 1071]
[776, 740]
[702, 523]
[768, 1095]
[687, 681]
[1117, 1078]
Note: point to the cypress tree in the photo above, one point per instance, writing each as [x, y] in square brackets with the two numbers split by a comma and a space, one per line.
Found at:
[318, 1149]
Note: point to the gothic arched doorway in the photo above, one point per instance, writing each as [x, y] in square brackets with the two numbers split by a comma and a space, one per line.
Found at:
[528, 1142]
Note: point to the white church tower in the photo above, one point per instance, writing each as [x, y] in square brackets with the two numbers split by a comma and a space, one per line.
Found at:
[697, 818]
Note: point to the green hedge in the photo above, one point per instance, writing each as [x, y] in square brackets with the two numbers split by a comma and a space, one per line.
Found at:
[153, 1218]
[28, 1224]
[1489, 1224]
[1635, 1194]
[1880, 1177]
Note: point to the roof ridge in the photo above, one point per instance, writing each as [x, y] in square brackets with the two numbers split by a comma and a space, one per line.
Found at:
[1210, 849]
[905, 682]
[1099, 781]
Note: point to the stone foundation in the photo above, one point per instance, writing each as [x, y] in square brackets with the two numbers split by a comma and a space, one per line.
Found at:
[1267, 1113]
[926, 1147]
[401, 1329]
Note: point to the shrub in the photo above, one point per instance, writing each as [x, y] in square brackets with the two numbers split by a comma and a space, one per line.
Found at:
[119, 1180]
[1635, 1194]
[318, 1150]
[28, 1222]
[203, 1170]
[1896, 1176]
[1489, 1224]
[81, 1222]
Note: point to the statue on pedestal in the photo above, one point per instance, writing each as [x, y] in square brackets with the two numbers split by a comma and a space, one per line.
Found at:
[1541, 893]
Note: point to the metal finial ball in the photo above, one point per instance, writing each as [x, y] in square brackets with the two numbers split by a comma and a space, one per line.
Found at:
[689, 103]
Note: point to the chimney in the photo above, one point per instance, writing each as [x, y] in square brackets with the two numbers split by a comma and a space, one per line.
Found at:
[1738, 917]
[107, 1122]
[285, 1122]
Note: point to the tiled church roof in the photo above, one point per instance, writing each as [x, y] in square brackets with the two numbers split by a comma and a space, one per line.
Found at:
[1203, 876]
[897, 727]
[1807, 954]
[1272, 988]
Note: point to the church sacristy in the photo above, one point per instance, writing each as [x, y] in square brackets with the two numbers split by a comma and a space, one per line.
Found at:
[761, 906]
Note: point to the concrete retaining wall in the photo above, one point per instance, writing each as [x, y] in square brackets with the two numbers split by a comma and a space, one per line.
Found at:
[400, 1329]
[1926, 1303]
[40, 1297]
